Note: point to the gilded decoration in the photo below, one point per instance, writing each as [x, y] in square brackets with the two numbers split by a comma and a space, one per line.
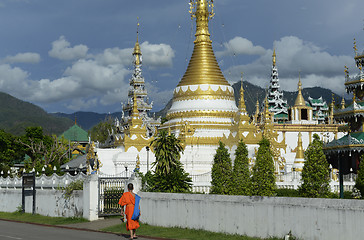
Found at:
[93, 163]
[201, 94]
[199, 113]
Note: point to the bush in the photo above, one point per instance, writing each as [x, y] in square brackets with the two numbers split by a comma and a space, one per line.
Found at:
[68, 190]
[283, 192]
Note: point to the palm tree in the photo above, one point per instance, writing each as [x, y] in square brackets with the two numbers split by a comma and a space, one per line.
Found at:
[167, 150]
[169, 175]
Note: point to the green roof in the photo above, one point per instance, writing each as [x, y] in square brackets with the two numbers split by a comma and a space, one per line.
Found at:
[75, 134]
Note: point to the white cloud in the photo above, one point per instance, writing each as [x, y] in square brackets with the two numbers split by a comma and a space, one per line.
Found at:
[240, 46]
[317, 67]
[157, 55]
[88, 83]
[27, 57]
[61, 49]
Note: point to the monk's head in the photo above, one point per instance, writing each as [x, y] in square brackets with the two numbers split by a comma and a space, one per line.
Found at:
[130, 187]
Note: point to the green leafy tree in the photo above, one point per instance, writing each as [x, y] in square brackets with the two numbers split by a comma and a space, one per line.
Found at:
[45, 151]
[241, 175]
[100, 132]
[359, 182]
[169, 175]
[221, 171]
[315, 173]
[10, 149]
[263, 179]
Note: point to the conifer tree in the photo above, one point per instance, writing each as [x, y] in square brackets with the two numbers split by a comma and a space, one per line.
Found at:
[241, 182]
[359, 182]
[263, 179]
[315, 173]
[221, 171]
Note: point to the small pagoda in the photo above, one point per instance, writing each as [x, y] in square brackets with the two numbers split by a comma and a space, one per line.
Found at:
[344, 153]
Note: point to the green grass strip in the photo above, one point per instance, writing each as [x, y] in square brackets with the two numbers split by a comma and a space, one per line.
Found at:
[36, 218]
[179, 233]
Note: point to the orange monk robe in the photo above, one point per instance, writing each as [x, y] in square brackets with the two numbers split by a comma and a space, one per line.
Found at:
[128, 200]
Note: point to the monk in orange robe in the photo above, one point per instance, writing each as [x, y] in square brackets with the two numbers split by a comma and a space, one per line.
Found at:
[128, 200]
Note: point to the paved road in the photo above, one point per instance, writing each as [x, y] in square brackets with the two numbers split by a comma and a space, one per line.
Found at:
[20, 231]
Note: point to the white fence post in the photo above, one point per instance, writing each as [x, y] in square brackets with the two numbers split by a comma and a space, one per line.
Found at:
[91, 197]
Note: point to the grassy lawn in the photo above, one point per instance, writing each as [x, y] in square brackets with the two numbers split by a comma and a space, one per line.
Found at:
[27, 217]
[179, 233]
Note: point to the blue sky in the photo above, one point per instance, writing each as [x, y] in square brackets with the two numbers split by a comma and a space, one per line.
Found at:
[75, 55]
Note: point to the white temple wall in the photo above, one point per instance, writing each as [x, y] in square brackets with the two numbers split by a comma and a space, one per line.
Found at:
[114, 160]
[306, 218]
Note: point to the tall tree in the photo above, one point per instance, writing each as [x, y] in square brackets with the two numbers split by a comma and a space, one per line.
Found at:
[44, 150]
[169, 175]
[221, 171]
[241, 175]
[263, 179]
[315, 173]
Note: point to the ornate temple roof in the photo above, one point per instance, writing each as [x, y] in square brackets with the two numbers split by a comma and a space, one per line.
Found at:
[75, 134]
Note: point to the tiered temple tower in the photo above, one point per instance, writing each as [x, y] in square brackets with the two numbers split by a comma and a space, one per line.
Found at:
[138, 90]
[277, 105]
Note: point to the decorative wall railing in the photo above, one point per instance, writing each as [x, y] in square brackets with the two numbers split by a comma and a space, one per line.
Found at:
[42, 182]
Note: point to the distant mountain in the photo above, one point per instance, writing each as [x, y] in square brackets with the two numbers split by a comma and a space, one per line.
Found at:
[87, 120]
[253, 92]
[16, 115]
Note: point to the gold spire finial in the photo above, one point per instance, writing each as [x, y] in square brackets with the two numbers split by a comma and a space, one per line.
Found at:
[355, 48]
[342, 103]
[203, 67]
[241, 82]
[242, 106]
[300, 101]
[274, 57]
[299, 152]
[137, 52]
[257, 107]
[354, 97]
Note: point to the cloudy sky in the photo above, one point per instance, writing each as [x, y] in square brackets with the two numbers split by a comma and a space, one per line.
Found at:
[75, 55]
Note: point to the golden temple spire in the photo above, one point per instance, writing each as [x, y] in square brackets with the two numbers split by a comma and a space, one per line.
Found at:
[274, 57]
[242, 106]
[300, 101]
[267, 115]
[137, 52]
[203, 67]
[331, 117]
[299, 152]
[342, 103]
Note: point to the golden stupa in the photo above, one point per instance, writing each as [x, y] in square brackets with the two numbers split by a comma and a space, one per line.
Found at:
[203, 99]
